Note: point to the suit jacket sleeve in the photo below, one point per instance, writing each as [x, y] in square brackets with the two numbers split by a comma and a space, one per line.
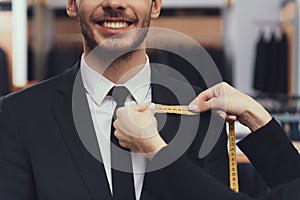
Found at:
[272, 154]
[184, 180]
[16, 182]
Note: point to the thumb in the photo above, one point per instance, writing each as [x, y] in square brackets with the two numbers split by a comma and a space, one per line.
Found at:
[202, 102]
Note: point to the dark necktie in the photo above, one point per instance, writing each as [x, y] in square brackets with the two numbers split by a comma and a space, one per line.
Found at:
[122, 177]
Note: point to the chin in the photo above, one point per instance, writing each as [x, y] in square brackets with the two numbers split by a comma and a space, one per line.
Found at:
[117, 45]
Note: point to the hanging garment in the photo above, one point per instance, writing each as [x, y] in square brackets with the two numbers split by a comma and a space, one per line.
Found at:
[60, 57]
[4, 80]
[261, 64]
[271, 63]
[280, 83]
[30, 64]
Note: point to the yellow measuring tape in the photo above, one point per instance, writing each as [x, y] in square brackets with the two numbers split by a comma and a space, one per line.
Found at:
[233, 171]
[180, 110]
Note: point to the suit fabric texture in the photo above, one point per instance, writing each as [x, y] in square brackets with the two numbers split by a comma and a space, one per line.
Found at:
[43, 158]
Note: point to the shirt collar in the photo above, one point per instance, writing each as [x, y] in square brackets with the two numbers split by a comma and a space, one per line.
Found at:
[97, 86]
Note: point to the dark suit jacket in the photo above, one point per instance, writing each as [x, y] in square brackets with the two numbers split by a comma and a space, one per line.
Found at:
[42, 156]
[270, 151]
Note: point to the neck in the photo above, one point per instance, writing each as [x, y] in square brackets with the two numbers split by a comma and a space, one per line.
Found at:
[121, 69]
[125, 67]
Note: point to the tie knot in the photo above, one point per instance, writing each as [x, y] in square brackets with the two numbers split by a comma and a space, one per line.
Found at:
[119, 94]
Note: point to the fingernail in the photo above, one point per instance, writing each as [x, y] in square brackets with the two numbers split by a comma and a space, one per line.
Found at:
[152, 106]
[193, 107]
[222, 115]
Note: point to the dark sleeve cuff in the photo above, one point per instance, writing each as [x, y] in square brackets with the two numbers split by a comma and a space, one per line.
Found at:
[263, 138]
[272, 154]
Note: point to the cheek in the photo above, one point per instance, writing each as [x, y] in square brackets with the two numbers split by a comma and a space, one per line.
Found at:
[144, 15]
[141, 8]
[83, 17]
[86, 7]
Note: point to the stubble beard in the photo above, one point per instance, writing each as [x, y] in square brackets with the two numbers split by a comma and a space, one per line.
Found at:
[112, 50]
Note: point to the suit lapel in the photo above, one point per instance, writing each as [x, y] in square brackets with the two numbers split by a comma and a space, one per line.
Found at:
[169, 91]
[90, 169]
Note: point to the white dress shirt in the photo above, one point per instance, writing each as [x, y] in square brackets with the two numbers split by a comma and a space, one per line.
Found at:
[102, 108]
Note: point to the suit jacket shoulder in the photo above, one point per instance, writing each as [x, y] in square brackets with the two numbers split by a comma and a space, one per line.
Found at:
[43, 91]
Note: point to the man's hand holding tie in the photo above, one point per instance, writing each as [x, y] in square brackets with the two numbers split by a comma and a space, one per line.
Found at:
[136, 129]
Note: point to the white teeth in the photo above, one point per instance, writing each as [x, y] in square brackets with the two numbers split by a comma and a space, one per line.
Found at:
[115, 25]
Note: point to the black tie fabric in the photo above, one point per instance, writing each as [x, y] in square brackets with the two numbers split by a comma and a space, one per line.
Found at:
[122, 177]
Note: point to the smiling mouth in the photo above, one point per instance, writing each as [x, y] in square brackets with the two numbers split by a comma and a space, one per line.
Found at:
[115, 24]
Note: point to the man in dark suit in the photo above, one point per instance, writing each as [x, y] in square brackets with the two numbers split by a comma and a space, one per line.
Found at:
[46, 153]
[267, 147]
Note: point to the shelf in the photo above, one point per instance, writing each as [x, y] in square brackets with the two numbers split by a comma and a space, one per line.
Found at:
[287, 117]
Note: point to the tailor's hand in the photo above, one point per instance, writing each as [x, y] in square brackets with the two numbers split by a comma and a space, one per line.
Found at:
[231, 105]
[136, 129]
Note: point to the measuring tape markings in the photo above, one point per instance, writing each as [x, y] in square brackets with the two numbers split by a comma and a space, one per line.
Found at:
[233, 171]
[181, 110]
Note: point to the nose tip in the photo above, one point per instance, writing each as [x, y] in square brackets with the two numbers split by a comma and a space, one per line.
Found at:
[114, 5]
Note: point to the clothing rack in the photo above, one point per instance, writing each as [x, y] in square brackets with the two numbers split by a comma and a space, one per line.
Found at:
[271, 22]
[273, 26]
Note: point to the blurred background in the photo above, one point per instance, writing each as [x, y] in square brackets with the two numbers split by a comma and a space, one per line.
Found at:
[254, 43]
